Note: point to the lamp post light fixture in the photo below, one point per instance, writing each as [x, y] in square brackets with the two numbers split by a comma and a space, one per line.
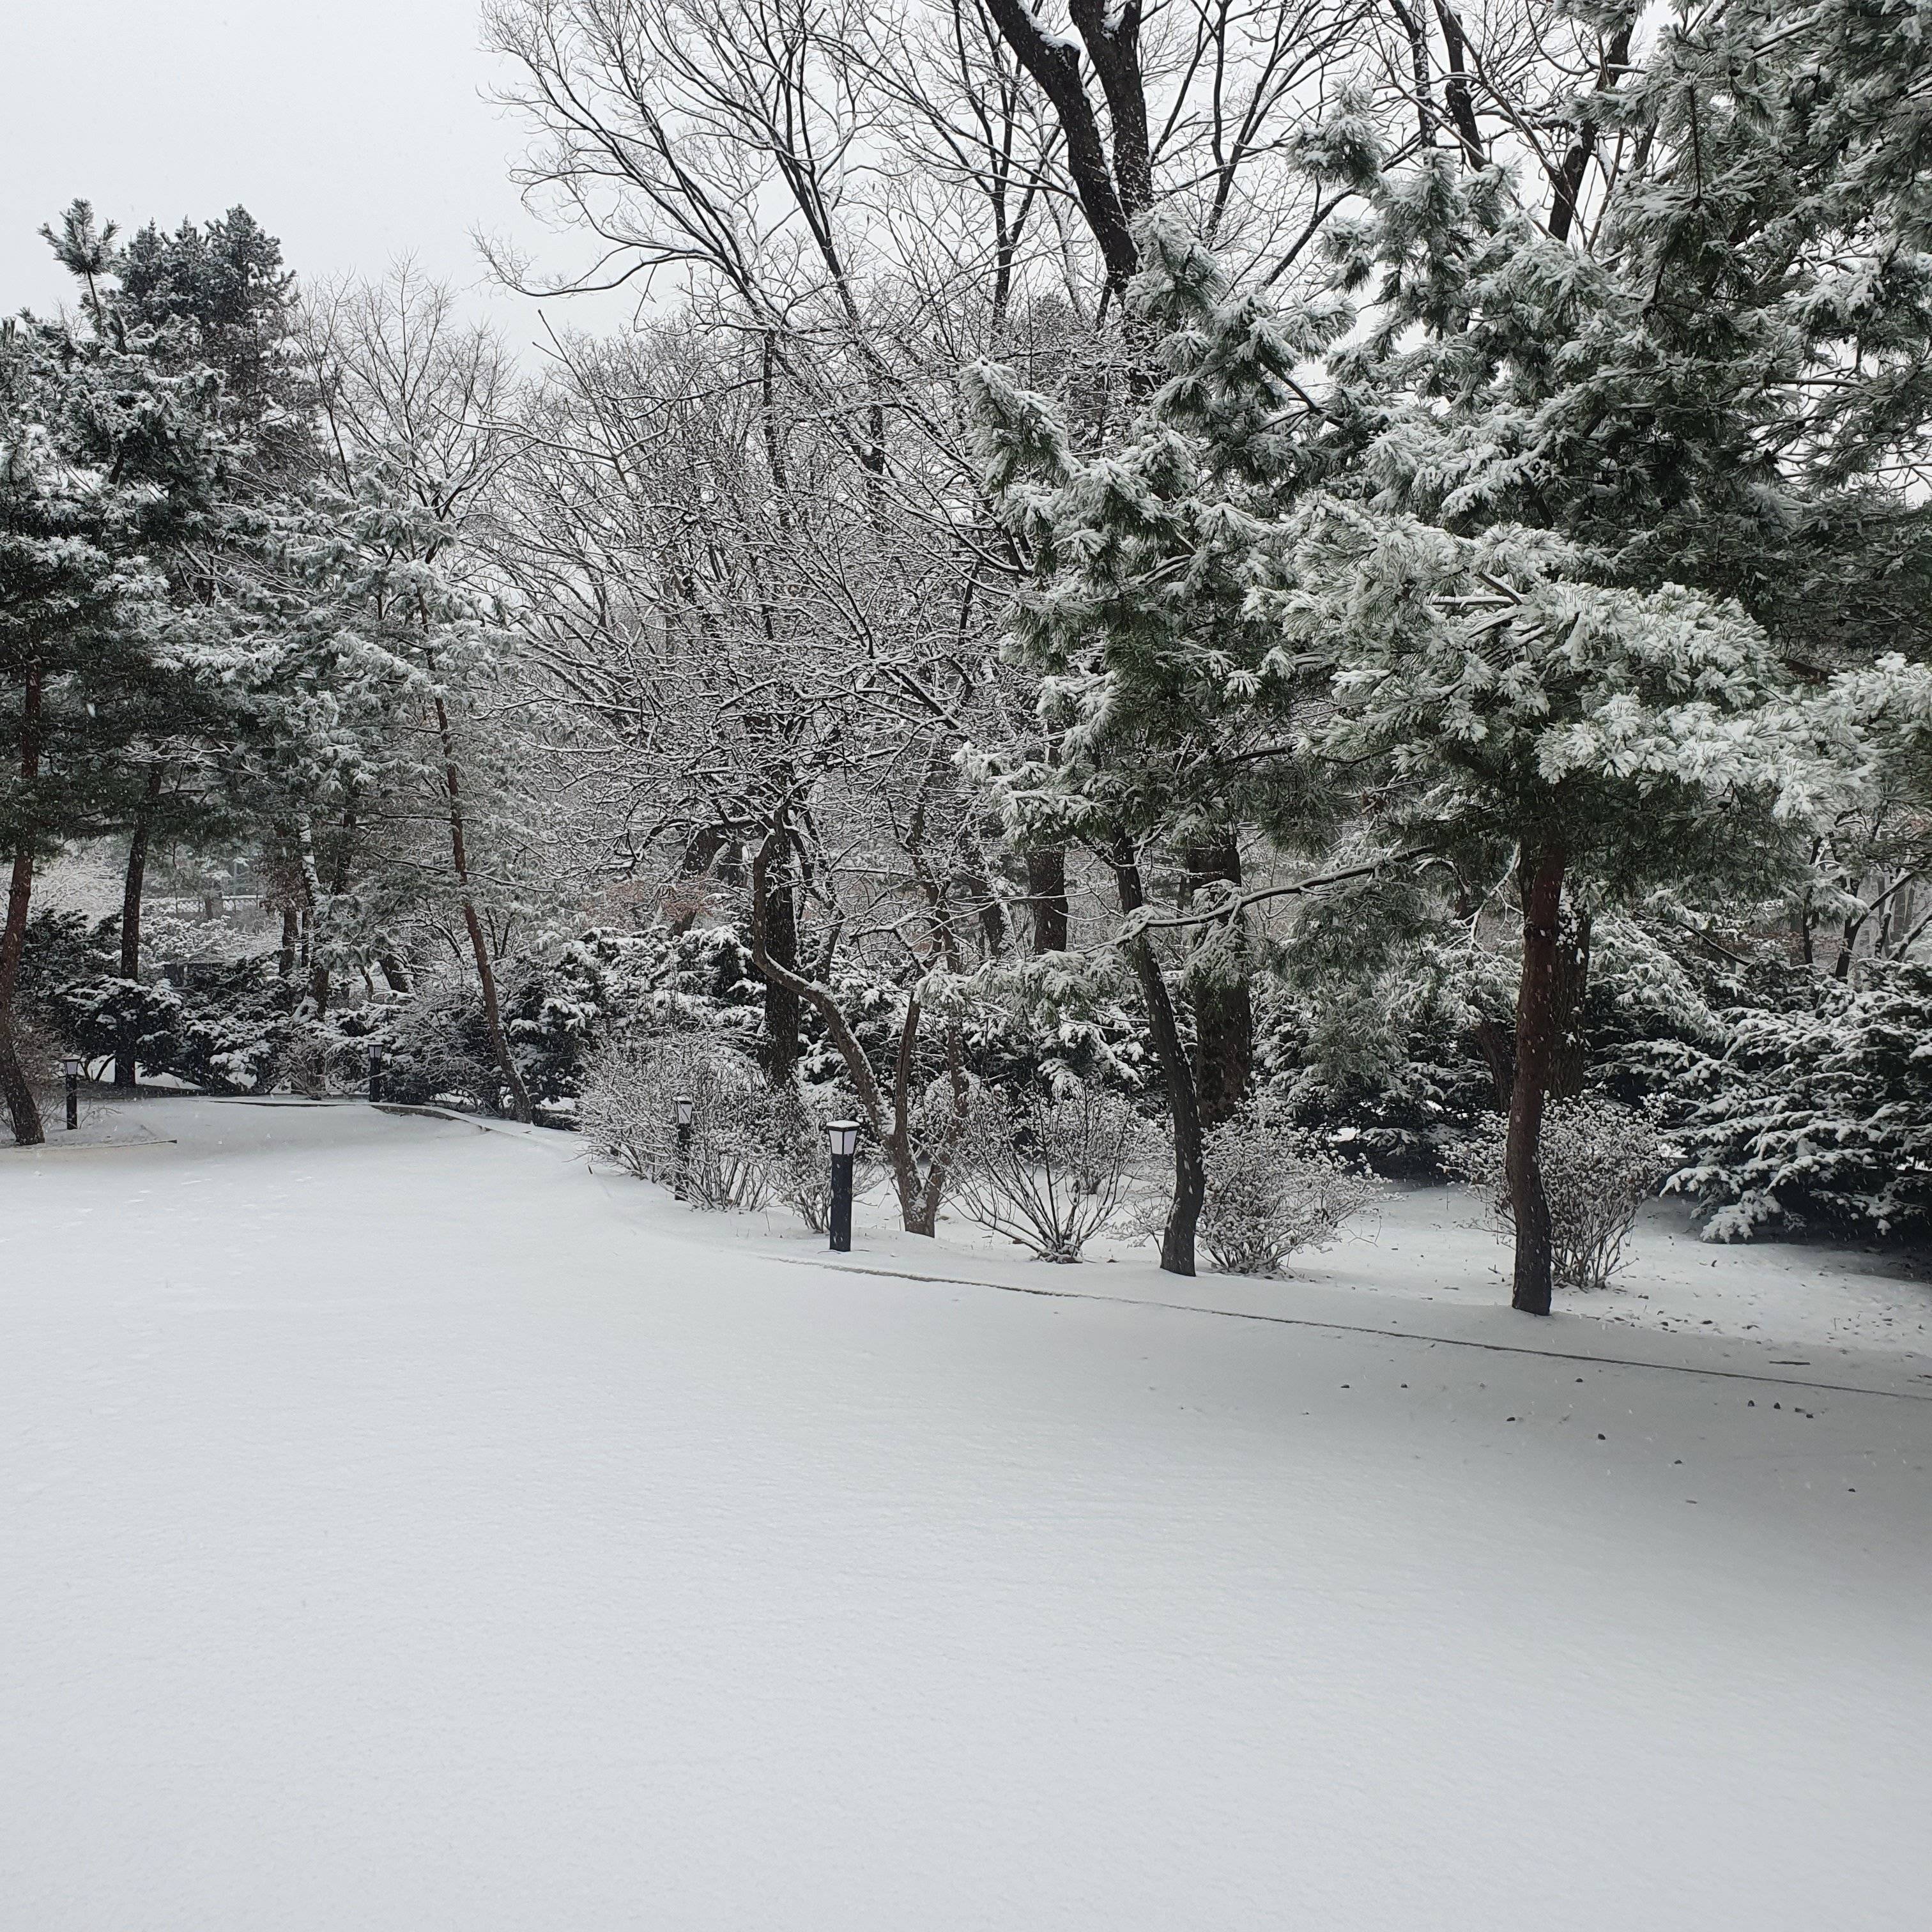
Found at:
[842, 1137]
[375, 1075]
[681, 1180]
[70, 1067]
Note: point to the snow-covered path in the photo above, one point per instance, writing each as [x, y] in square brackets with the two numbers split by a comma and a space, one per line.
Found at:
[401, 1528]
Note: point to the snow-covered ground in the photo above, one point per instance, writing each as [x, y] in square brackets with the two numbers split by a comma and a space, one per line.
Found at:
[404, 1527]
[1436, 1244]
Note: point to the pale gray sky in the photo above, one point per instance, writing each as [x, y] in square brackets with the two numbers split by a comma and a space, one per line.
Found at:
[355, 130]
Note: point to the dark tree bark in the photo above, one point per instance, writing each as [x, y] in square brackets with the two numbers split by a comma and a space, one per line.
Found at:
[976, 889]
[285, 960]
[340, 873]
[888, 1114]
[1111, 29]
[125, 1071]
[479, 946]
[1224, 1018]
[774, 432]
[1456, 95]
[22, 1108]
[992, 918]
[702, 850]
[1573, 985]
[1567, 178]
[1046, 893]
[1190, 1174]
[1056, 66]
[1415, 30]
[782, 1009]
[1541, 874]
[1496, 1044]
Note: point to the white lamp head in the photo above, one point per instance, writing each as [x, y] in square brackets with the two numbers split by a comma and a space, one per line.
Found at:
[70, 1066]
[683, 1106]
[842, 1137]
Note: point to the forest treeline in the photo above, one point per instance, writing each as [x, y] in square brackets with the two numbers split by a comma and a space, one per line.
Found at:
[1363, 559]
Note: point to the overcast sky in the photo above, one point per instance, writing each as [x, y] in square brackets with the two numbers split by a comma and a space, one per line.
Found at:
[355, 130]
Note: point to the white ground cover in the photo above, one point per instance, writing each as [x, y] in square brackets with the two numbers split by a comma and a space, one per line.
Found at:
[402, 1527]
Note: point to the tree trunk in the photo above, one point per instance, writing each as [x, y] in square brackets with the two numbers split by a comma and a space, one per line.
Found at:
[781, 1003]
[1572, 1061]
[919, 1200]
[486, 972]
[126, 1073]
[312, 895]
[493, 1016]
[1224, 1018]
[1054, 62]
[395, 972]
[888, 1115]
[976, 888]
[1176, 1242]
[1461, 103]
[1416, 31]
[1567, 178]
[1496, 1044]
[22, 1107]
[1046, 892]
[1541, 875]
[285, 961]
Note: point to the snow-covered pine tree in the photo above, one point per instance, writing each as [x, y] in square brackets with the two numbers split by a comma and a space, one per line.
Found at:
[1504, 708]
[1166, 706]
[1714, 369]
[105, 462]
[205, 298]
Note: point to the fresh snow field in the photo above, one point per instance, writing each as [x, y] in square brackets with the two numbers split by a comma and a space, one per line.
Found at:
[404, 1527]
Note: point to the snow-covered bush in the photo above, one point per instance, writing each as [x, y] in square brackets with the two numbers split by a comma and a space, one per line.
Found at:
[437, 1047]
[330, 1056]
[94, 1015]
[1599, 1163]
[227, 1028]
[1050, 1171]
[629, 1113]
[1273, 1189]
[1393, 1056]
[607, 981]
[1398, 1109]
[61, 947]
[1820, 1110]
[786, 1136]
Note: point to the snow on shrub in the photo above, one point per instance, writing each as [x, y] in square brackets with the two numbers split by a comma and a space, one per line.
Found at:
[1390, 1056]
[788, 1138]
[1599, 1163]
[330, 1056]
[1273, 1189]
[628, 1113]
[1051, 1171]
[1821, 1111]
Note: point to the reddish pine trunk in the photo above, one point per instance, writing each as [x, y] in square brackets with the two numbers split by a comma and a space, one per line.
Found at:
[1537, 1023]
